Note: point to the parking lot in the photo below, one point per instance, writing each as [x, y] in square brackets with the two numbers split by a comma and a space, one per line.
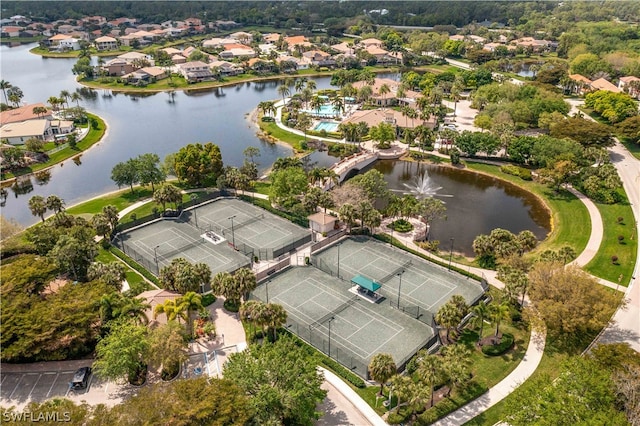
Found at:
[18, 388]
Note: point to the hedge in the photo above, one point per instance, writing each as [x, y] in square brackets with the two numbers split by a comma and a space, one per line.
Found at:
[208, 299]
[505, 344]
[521, 172]
[266, 204]
[135, 265]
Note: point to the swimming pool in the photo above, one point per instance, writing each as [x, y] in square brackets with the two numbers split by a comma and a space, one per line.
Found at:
[326, 110]
[329, 126]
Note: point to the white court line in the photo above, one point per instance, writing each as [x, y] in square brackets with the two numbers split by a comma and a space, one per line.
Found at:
[16, 388]
[34, 385]
[359, 328]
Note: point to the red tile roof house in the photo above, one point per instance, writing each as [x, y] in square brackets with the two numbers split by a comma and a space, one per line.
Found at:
[23, 113]
[603, 84]
[319, 58]
[11, 31]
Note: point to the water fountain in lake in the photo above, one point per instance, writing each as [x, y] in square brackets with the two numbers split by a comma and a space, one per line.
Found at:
[423, 187]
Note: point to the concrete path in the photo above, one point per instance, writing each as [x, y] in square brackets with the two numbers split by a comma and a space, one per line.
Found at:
[497, 393]
[597, 231]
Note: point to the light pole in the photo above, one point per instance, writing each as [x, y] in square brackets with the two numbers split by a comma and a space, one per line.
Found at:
[155, 256]
[233, 234]
[451, 253]
[399, 274]
[195, 211]
[330, 319]
[338, 260]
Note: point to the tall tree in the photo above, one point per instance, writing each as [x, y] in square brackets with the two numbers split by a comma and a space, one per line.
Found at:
[120, 353]
[281, 379]
[430, 372]
[149, 170]
[4, 85]
[126, 173]
[112, 273]
[381, 368]
[38, 206]
[55, 204]
[198, 164]
[168, 347]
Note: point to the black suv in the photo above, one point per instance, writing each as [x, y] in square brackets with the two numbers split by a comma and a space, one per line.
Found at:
[80, 378]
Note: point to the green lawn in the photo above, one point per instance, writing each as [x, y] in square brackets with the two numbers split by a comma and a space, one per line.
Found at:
[120, 200]
[261, 187]
[94, 135]
[148, 208]
[626, 250]
[272, 129]
[570, 223]
[134, 279]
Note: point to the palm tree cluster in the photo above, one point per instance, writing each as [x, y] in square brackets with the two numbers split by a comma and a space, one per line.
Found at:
[450, 314]
[39, 205]
[234, 287]
[266, 316]
[181, 308]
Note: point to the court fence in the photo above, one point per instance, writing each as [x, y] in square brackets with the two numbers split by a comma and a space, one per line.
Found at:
[331, 348]
[273, 269]
[149, 264]
[322, 244]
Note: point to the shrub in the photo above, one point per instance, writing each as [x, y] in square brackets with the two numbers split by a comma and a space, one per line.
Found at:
[620, 219]
[521, 172]
[343, 372]
[620, 238]
[396, 419]
[231, 306]
[505, 344]
[134, 265]
[208, 299]
[614, 259]
[401, 225]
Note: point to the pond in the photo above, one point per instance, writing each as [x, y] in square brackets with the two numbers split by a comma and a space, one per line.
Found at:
[476, 203]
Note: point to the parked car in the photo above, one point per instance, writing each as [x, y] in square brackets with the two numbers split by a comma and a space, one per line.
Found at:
[80, 378]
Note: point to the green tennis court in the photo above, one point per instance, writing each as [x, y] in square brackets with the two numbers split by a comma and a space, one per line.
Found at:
[249, 227]
[421, 283]
[319, 305]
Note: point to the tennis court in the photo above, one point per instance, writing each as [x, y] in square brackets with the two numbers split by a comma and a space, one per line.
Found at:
[250, 228]
[423, 285]
[322, 311]
[165, 240]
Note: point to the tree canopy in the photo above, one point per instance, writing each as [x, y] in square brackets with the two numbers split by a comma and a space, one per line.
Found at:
[198, 164]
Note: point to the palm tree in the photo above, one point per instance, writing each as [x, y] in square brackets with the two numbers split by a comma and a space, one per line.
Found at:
[55, 203]
[38, 206]
[172, 309]
[480, 313]
[249, 312]
[338, 105]
[246, 281]
[457, 359]
[54, 102]
[109, 304]
[76, 97]
[64, 97]
[300, 84]
[283, 91]
[364, 93]
[348, 214]
[382, 368]
[430, 372]
[448, 317]
[275, 317]
[135, 308]
[316, 104]
[311, 85]
[190, 302]
[224, 284]
[498, 313]
[40, 111]
[384, 90]
[4, 85]
[402, 387]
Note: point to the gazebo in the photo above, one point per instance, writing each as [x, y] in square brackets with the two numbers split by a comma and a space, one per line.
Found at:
[366, 286]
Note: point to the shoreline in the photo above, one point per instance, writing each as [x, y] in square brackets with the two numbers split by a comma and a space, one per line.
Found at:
[3, 183]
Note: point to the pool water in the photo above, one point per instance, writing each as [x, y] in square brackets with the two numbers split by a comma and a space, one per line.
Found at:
[325, 110]
[329, 126]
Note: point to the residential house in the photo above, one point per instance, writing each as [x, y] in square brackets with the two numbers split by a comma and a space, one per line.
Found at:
[456, 37]
[297, 43]
[292, 63]
[344, 48]
[630, 85]
[118, 67]
[61, 127]
[195, 71]
[122, 21]
[390, 98]
[146, 75]
[19, 133]
[193, 22]
[266, 48]
[217, 43]
[175, 32]
[132, 56]
[67, 29]
[172, 51]
[237, 52]
[242, 37]
[603, 84]
[384, 57]
[23, 113]
[319, 58]
[68, 44]
[226, 25]
[54, 41]
[374, 117]
[581, 84]
[271, 38]
[370, 42]
[533, 44]
[178, 59]
[11, 31]
[225, 68]
[106, 43]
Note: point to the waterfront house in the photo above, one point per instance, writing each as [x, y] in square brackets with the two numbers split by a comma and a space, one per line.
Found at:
[106, 43]
[195, 71]
[19, 133]
[24, 113]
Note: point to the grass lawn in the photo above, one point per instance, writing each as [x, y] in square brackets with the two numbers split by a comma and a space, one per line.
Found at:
[626, 250]
[272, 129]
[554, 354]
[148, 208]
[261, 187]
[120, 200]
[92, 137]
[134, 279]
[570, 222]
